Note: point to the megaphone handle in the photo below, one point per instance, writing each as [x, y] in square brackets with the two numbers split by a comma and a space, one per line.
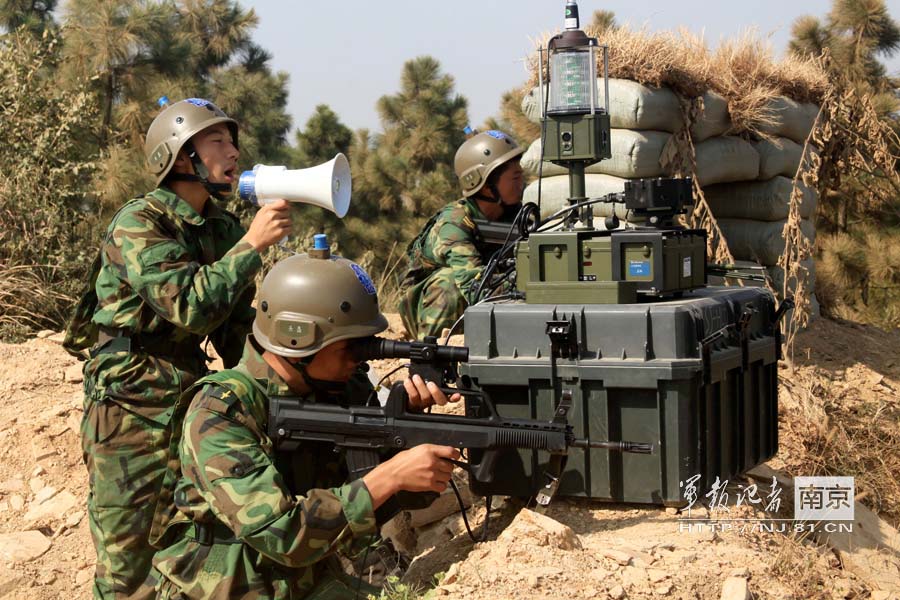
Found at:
[283, 242]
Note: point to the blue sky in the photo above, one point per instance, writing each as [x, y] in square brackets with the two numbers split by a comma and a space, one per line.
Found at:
[347, 54]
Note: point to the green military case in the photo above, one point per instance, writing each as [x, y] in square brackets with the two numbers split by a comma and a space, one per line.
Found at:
[602, 267]
[696, 376]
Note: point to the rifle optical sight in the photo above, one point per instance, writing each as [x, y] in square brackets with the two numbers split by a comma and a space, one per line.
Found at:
[427, 351]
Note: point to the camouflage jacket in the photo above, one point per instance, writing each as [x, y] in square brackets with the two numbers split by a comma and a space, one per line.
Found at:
[450, 240]
[278, 517]
[167, 280]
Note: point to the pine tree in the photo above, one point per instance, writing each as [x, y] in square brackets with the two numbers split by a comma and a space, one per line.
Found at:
[856, 33]
[110, 43]
[83, 96]
[135, 51]
[859, 273]
[403, 175]
[322, 138]
[603, 19]
[410, 166]
[34, 15]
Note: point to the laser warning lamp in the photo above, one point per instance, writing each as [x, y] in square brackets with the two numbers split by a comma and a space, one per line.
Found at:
[575, 126]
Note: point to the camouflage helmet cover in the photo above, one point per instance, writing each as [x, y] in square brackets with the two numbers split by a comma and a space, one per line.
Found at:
[174, 126]
[306, 303]
[480, 155]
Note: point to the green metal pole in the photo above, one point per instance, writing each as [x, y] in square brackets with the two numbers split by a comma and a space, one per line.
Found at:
[576, 189]
[576, 182]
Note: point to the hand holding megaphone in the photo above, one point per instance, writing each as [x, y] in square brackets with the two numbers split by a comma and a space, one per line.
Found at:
[271, 224]
[326, 185]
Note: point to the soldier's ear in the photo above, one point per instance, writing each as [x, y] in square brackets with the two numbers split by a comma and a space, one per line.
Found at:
[182, 163]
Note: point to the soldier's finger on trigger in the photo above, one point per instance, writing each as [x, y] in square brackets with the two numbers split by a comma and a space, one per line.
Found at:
[436, 394]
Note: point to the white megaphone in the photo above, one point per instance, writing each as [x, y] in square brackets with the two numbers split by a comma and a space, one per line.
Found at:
[326, 185]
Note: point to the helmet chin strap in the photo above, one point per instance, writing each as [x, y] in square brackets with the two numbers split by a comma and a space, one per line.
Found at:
[494, 198]
[320, 386]
[201, 175]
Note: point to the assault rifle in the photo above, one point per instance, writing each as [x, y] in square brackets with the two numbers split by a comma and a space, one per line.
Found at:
[369, 432]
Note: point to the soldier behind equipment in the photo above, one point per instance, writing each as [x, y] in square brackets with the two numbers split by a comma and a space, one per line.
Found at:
[173, 269]
[248, 520]
[447, 258]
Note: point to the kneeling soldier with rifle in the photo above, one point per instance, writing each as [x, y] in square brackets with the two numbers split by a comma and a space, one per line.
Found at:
[240, 516]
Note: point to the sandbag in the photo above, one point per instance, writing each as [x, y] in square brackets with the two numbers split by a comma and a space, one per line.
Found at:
[791, 119]
[776, 274]
[727, 158]
[555, 193]
[631, 106]
[758, 200]
[531, 158]
[635, 154]
[778, 156]
[715, 119]
[761, 241]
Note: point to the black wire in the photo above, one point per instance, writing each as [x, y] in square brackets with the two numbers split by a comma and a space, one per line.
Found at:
[506, 277]
[543, 126]
[374, 392]
[611, 198]
[509, 296]
[359, 577]
[521, 219]
[453, 328]
[462, 507]
[495, 257]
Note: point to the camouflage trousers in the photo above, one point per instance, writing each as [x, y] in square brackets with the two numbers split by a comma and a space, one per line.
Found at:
[433, 304]
[334, 585]
[125, 455]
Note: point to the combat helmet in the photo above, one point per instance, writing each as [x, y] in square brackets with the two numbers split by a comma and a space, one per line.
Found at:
[480, 155]
[306, 303]
[173, 128]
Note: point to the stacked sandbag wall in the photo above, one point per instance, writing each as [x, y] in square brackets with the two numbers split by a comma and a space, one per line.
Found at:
[746, 183]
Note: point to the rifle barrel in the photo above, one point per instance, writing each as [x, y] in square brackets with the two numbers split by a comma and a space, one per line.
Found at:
[632, 447]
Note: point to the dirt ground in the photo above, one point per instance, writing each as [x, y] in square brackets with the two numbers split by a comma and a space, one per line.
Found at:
[583, 550]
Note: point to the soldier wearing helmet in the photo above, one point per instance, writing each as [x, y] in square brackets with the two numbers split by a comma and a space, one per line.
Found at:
[248, 520]
[447, 258]
[174, 269]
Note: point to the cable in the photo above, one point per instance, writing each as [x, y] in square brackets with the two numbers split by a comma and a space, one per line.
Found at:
[610, 198]
[543, 121]
[462, 507]
[506, 277]
[374, 392]
[495, 257]
[453, 328]
[359, 577]
[508, 296]
[528, 213]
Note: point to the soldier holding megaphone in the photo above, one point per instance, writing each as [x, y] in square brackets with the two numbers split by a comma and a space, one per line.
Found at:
[174, 269]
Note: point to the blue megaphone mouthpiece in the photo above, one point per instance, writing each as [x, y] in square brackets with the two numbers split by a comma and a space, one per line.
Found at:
[247, 187]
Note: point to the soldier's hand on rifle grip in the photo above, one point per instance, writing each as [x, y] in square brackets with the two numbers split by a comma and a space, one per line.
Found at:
[425, 468]
[271, 223]
[423, 394]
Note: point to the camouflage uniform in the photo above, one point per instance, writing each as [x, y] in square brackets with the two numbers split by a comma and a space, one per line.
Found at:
[168, 277]
[252, 522]
[446, 261]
